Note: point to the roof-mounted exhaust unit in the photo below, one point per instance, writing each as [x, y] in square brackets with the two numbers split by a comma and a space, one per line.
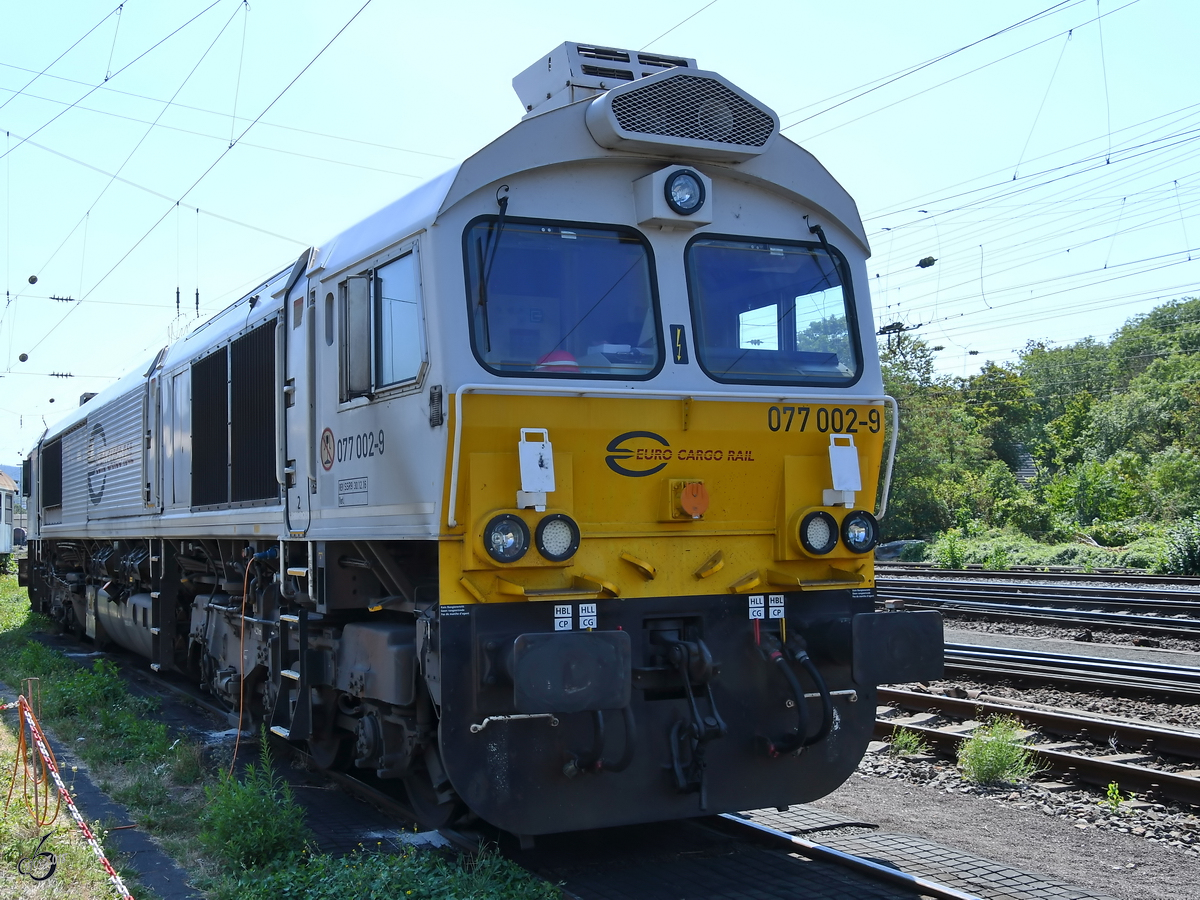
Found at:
[574, 71]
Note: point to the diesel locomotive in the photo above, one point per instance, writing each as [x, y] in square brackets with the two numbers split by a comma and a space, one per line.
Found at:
[548, 492]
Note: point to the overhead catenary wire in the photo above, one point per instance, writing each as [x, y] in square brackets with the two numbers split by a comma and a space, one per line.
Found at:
[60, 56]
[904, 73]
[130, 155]
[203, 174]
[676, 25]
[222, 139]
[1042, 105]
[108, 89]
[133, 61]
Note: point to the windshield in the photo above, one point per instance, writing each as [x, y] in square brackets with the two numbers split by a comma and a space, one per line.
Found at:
[771, 313]
[561, 301]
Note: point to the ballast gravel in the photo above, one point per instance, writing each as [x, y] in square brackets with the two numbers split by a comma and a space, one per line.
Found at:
[1140, 851]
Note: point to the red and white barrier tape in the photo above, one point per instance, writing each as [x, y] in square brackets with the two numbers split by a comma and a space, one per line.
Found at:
[43, 747]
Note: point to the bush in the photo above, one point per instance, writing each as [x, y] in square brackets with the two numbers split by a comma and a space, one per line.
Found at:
[1182, 556]
[998, 560]
[254, 821]
[913, 552]
[949, 552]
[995, 754]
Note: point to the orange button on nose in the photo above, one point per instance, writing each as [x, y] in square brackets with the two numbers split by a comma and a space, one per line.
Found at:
[694, 499]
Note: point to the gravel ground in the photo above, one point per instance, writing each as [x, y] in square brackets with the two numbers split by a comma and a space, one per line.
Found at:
[1080, 634]
[1138, 854]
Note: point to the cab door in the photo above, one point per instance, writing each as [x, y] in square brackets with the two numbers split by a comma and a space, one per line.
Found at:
[299, 441]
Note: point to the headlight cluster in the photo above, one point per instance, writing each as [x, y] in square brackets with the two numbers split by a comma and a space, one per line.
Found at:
[506, 538]
[818, 532]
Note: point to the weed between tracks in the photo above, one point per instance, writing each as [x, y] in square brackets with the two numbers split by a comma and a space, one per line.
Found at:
[238, 837]
[996, 754]
[906, 742]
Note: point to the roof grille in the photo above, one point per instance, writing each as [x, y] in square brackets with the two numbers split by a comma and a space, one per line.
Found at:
[605, 72]
[604, 53]
[662, 62]
[693, 108]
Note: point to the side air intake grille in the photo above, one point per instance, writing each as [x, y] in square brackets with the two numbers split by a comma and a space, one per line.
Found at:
[695, 109]
[606, 72]
[609, 53]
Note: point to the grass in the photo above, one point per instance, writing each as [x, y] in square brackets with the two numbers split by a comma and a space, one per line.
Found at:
[77, 874]
[1003, 548]
[238, 837]
[906, 742]
[409, 875]
[996, 754]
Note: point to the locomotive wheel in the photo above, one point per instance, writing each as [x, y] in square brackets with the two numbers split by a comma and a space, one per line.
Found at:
[330, 751]
[71, 623]
[423, 800]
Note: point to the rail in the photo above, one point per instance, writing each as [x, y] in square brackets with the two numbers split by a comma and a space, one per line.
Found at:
[1115, 575]
[880, 872]
[1118, 674]
[1066, 758]
[1160, 611]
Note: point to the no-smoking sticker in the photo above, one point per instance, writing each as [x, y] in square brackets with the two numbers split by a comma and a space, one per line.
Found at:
[327, 447]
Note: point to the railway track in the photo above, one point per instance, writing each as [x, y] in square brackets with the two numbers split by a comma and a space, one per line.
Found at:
[924, 887]
[1148, 611]
[1065, 574]
[1075, 757]
[1154, 679]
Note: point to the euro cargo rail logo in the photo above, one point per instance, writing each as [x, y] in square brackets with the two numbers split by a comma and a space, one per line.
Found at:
[636, 451]
[636, 454]
[102, 459]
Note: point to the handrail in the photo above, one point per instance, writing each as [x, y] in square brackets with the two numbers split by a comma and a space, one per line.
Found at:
[565, 391]
[887, 475]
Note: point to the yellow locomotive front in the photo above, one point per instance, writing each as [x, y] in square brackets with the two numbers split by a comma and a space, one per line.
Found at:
[655, 571]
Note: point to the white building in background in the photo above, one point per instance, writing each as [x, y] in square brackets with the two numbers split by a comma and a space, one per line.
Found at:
[8, 500]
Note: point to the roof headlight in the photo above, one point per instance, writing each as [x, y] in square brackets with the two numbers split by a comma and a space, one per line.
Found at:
[557, 537]
[818, 532]
[506, 538]
[685, 191]
[860, 531]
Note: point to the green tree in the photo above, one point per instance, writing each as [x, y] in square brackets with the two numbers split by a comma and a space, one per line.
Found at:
[1171, 328]
[1003, 403]
[939, 446]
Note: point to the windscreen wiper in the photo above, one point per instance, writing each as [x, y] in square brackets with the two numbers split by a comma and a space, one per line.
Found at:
[487, 254]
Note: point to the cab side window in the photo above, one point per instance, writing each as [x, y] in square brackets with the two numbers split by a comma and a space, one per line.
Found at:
[398, 351]
[383, 327]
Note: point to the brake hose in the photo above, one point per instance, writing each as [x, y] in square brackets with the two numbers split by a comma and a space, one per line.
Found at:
[630, 743]
[793, 742]
[810, 667]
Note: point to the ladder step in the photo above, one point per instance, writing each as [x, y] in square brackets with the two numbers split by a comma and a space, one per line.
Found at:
[154, 630]
[280, 731]
[290, 673]
[288, 619]
[299, 572]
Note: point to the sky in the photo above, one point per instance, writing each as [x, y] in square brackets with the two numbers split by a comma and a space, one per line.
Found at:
[1046, 154]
